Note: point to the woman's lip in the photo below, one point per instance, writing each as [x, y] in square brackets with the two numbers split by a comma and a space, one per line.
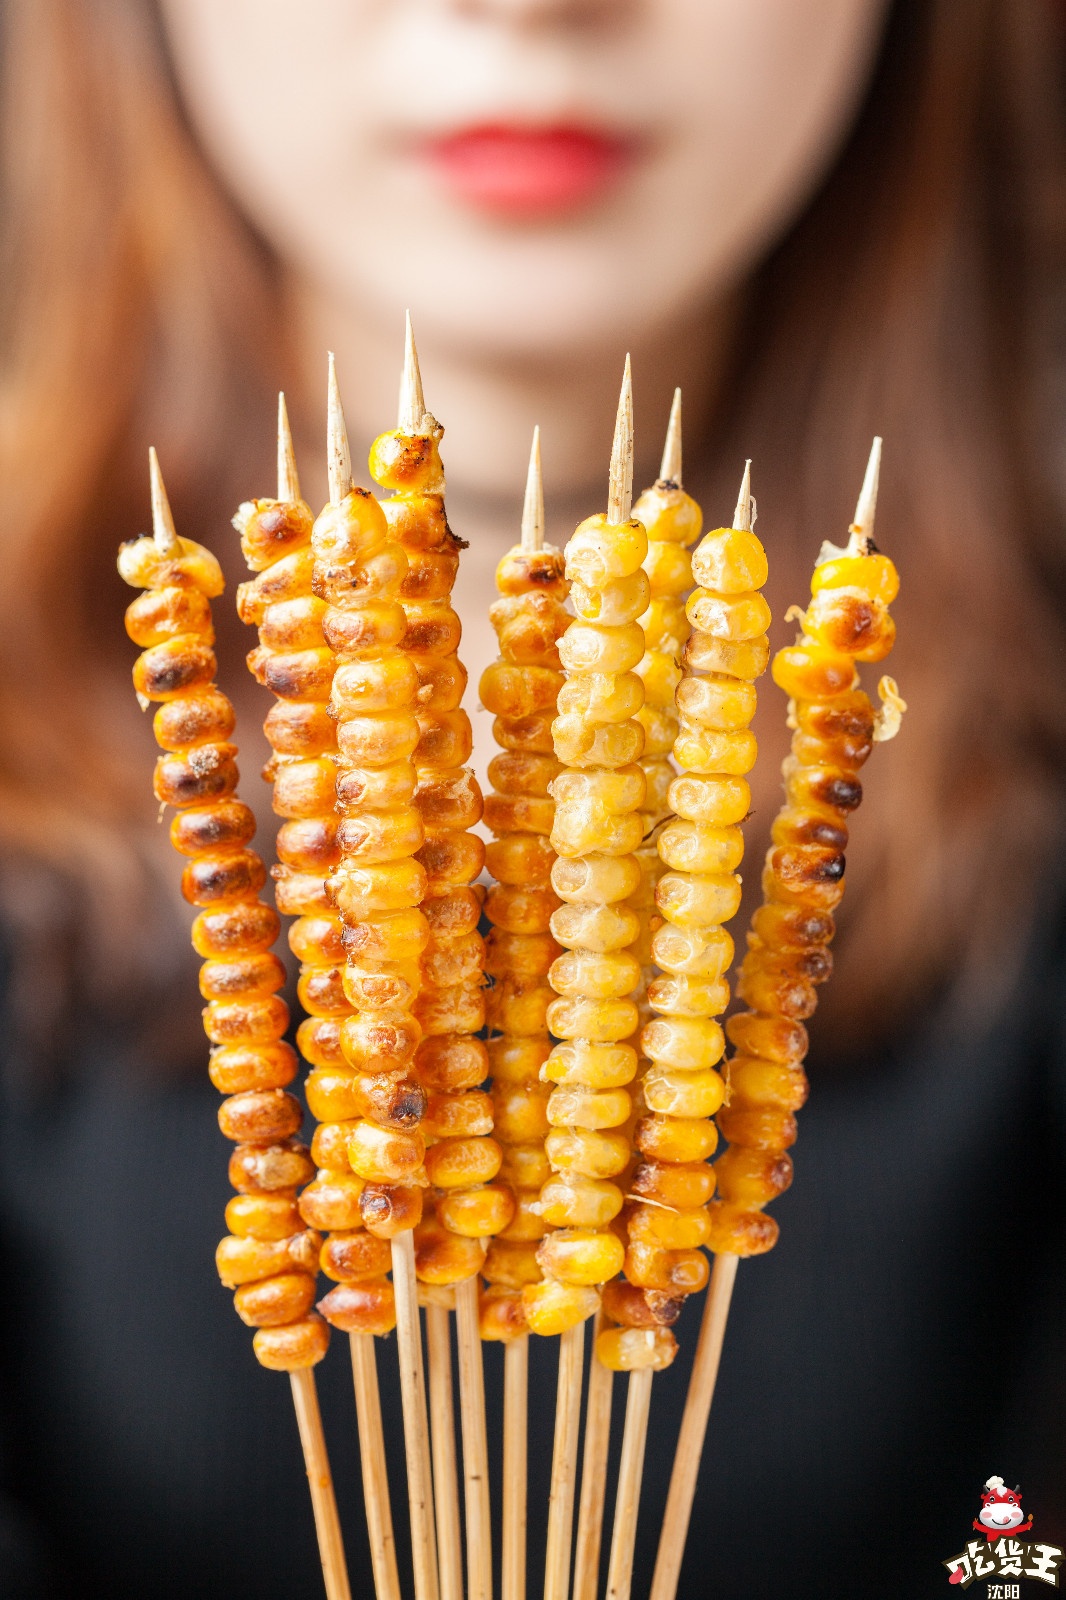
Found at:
[531, 170]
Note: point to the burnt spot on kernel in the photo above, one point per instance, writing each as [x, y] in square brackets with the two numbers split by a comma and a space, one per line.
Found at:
[665, 1308]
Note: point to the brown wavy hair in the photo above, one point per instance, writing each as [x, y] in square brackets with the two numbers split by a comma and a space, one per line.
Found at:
[915, 297]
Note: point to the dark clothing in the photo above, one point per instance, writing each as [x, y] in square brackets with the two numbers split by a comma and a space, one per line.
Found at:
[903, 1342]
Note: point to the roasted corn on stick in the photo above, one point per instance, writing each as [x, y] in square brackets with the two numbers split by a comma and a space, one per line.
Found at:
[835, 727]
[597, 827]
[269, 1257]
[462, 1159]
[295, 661]
[701, 848]
[673, 521]
[378, 887]
[521, 689]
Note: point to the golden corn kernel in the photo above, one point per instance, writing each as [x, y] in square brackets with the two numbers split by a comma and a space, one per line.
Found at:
[367, 1307]
[553, 1308]
[296, 1346]
[636, 1349]
[580, 1256]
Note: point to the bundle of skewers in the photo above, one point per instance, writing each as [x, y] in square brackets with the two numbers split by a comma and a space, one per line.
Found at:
[512, 1052]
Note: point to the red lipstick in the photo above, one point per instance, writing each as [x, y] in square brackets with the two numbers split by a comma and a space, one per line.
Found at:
[529, 171]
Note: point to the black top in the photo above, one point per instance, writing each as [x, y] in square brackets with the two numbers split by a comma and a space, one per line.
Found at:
[903, 1342]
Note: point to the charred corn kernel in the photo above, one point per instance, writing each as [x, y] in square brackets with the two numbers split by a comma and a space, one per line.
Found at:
[389, 1209]
[364, 1307]
[676, 1185]
[353, 1256]
[675, 1273]
[332, 1201]
[256, 1169]
[834, 727]
[634, 1349]
[444, 1257]
[501, 1315]
[625, 1304]
[268, 1257]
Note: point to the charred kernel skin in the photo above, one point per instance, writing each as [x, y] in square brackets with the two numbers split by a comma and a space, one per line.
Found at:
[269, 1257]
[529, 619]
[834, 727]
[446, 803]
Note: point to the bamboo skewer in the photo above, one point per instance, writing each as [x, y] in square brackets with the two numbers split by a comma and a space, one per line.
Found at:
[674, 1530]
[564, 1464]
[415, 1420]
[630, 1476]
[620, 478]
[445, 1479]
[323, 1500]
[475, 1443]
[515, 1467]
[593, 1474]
[372, 1465]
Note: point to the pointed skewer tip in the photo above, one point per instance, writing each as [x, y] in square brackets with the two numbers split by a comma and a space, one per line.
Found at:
[163, 530]
[670, 471]
[533, 505]
[742, 515]
[412, 406]
[620, 480]
[338, 455]
[862, 526]
[288, 478]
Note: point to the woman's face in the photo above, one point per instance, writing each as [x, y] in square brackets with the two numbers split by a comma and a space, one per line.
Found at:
[529, 176]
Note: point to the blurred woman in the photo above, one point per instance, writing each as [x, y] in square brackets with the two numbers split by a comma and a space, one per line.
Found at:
[824, 221]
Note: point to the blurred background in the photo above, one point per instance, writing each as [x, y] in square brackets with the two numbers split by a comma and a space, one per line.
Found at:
[823, 221]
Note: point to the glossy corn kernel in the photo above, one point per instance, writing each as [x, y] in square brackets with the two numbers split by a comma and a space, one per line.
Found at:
[636, 1349]
[553, 1307]
[365, 1307]
[291, 1348]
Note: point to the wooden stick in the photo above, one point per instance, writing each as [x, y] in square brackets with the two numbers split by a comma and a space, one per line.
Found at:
[862, 527]
[564, 1464]
[515, 1466]
[620, 479]
[412, 407]
[742, 515]
[475, 1444]
[415, 1419]
[674, 1530]
[372, 1464]
[593, 1474]
[445, 1480]
[338, 454]
[163, 530]
[288, 477]
[323, 1501]
[630, 1474]
[670, 471]
[533, 505]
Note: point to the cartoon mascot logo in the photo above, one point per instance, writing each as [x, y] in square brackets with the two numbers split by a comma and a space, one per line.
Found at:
[1001, 1519]
[1001, 1511]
